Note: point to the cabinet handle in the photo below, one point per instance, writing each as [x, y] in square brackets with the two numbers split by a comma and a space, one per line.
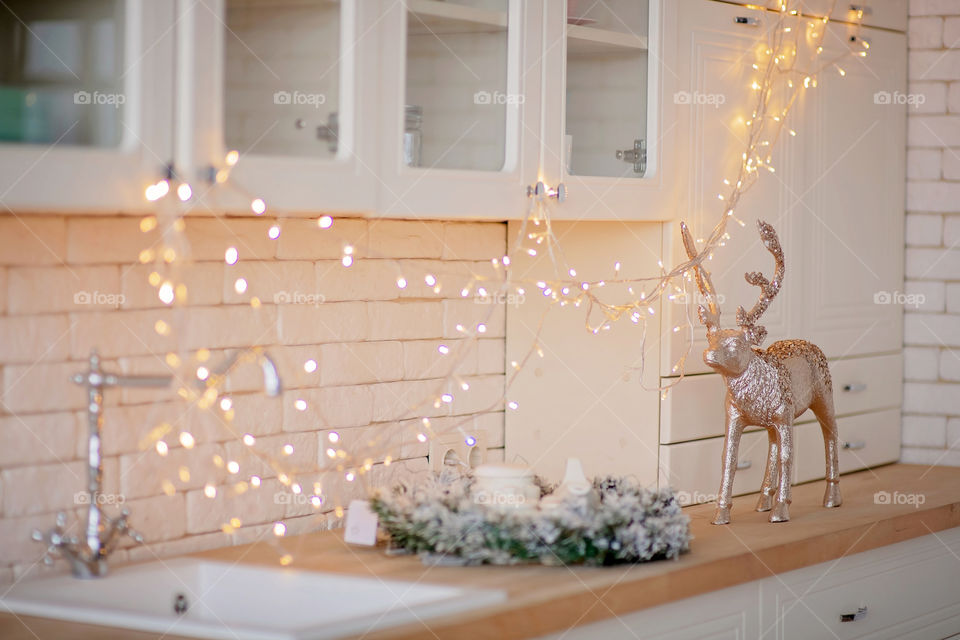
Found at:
[744, 464]
[541, 191]
[854, 387]
[855, 445]
[861, 10]
[860, 614]
[747, 20]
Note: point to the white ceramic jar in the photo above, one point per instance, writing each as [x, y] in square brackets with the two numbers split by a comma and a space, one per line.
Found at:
[505, 486]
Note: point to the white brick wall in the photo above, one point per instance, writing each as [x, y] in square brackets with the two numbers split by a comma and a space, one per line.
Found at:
[931, 421]
[375, 347]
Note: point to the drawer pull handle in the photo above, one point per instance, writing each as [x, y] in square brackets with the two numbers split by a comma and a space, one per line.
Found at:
[853, 617]
[747, 20]
[855, 387]
[856, 444]
[861, 10]
[744, 464]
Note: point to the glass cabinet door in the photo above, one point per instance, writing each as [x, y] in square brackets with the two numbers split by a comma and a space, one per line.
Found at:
[85, 96]
[288, 85]
[456, 98]
[281, 81]
[460, 123]
[605, 131]
[608, 108]
[60, 72]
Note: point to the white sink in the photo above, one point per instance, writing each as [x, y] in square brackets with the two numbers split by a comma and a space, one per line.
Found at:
[240, 602]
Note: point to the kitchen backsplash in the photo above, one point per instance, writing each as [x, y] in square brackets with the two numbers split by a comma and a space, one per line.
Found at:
[931, 404]
[69, 284]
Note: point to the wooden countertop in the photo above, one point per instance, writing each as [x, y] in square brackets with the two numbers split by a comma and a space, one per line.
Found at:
[549, 599]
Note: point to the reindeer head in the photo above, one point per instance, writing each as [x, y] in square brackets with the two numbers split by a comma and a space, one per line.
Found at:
[730, 350]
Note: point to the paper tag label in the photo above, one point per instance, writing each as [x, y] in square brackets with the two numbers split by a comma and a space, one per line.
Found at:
[361, 525]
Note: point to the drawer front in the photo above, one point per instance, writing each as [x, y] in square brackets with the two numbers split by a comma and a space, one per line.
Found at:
[888, 14]
[904, 588]
[866, 440]
[866, 384]
[694, 408]
[693, 468]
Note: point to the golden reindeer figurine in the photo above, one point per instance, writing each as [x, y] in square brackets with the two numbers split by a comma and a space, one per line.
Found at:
[766, 387]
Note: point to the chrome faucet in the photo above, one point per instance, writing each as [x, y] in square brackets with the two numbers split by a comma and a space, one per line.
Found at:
[101, 534]
[271, 377]
[88, 555]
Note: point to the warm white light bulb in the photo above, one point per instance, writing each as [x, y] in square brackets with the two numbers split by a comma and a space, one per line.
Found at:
[165, 292]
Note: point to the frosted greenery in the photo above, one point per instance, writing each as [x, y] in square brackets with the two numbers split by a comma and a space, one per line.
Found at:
[440, 520]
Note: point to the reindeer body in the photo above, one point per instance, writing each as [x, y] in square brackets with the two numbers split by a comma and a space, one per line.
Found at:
[781, 382]
[766, 388]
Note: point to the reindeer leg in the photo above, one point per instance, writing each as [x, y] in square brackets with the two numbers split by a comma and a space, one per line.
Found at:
[731, 447]
[823, 409]
[768, 487]
[781, 511]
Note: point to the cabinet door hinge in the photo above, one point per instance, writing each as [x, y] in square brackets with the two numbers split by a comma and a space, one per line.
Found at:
[636, 156]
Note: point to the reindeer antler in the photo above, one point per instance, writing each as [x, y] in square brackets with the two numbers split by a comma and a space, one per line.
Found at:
[709, 316]
[768, 288]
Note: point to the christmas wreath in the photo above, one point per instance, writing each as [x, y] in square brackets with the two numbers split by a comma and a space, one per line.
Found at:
[440, 519]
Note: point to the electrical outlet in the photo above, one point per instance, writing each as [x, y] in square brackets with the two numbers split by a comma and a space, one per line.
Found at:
[453, 449]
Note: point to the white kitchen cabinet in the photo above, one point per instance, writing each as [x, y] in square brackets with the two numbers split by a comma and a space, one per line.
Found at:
[694, 409]
[85, 103]
[459, 112]
[290, 85]
[728, 614]
[608, 132]
[836, 200]
[887, 14]
[851, 208]
[717, 43]
[506, 94]
[905, 590]
[412, 109]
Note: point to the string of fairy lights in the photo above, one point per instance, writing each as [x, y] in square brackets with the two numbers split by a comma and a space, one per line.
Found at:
[777, 84]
